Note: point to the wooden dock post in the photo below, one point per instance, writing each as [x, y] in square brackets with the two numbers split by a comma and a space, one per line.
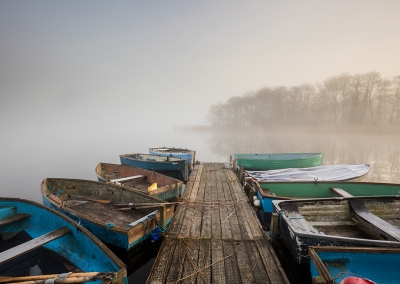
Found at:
[241, 173]
[186, 172]
[163, 221]
[252, 191]
[177, 189]
[194, 158]
[274, 227]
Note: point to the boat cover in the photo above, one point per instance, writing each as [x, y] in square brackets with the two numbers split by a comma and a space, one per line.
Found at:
[320, 173]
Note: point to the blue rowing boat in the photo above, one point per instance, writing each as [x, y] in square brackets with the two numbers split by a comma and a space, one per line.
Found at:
[37, 240]
[363, 265]
[184, 153]
[156, 163]
[116, 215]
[371, 221]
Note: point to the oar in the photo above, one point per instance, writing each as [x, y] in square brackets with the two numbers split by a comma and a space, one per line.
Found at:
[100, 200]
[137, 207]
[71, 276]
[105, 201]
[147, 204]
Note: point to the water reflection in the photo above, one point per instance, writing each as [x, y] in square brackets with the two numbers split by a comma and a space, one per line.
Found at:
[382, 152]
[139, 261]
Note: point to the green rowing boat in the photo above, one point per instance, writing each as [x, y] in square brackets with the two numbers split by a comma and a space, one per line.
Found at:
[278, 161]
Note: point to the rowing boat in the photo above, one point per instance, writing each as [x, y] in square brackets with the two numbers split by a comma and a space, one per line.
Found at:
[277, 161]
[162, 164]
[184, 153]
[344, 172]
[116, 215]
[149, 182]
[365, 265]
[38, 240]
[343, 221]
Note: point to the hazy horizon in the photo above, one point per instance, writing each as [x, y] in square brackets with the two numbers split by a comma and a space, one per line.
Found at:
[77, 64]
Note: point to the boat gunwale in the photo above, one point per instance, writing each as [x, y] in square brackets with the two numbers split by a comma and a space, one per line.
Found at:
[172, 159]
[280, 211]
[321, 267]
[83, 216]
[306, 156]
[171, 150]
[150, 172]
[356, 249]
[263, 194]
[107, 251]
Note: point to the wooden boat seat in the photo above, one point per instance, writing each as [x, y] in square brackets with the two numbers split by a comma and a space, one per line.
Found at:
[298, 221]
[13, 219]
[32, 244]
[377, 225]
[126, 179]
[341, 192]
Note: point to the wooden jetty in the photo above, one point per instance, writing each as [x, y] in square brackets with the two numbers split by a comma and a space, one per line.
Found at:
[215, 236]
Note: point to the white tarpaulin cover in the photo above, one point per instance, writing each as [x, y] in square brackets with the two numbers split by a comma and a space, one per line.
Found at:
[321, 173]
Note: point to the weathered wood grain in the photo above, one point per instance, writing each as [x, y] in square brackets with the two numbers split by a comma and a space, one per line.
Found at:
[215, 236]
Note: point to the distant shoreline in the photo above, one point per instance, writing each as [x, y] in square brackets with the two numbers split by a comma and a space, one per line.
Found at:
[327, 129]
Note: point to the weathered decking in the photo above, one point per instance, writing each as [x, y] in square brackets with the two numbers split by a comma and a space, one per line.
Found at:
[215, 236]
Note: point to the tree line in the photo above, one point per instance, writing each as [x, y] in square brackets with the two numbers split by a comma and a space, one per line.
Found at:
[340, 100]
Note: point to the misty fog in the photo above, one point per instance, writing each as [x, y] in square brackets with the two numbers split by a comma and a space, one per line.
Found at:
[82, 82]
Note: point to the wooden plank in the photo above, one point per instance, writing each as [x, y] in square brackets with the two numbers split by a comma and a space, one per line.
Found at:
[204, 260]
[231, 264]
[215, 213]
[32, 244]
[187, 222]
[191, 270]
[206, 221]
[194, 188]
[14, 218]
[226, 212]
[222, 245]
[177, 221]
[195, 229]
[275, 272]
[126, 179]
[377, 225]
[176, 263]
[218, 269]
[341, 192]
[163, 261]
[233, 219]
[257, 267]
[244, 264]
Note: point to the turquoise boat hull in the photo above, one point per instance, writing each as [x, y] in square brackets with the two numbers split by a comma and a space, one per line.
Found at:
[81, 248]
[156, 163]
[188, 155]
[260, 162]
[269, 191]
[91, 204]
[379, 265]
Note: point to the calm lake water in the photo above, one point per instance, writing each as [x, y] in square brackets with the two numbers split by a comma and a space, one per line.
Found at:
[29, 155]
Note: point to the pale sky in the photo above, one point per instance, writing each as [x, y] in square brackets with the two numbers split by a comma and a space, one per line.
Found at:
[109, 62]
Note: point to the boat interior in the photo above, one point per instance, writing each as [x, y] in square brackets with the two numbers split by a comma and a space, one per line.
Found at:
[23, 255]
[339, 217]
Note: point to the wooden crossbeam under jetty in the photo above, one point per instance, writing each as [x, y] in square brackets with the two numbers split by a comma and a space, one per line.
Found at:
[215, 236]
